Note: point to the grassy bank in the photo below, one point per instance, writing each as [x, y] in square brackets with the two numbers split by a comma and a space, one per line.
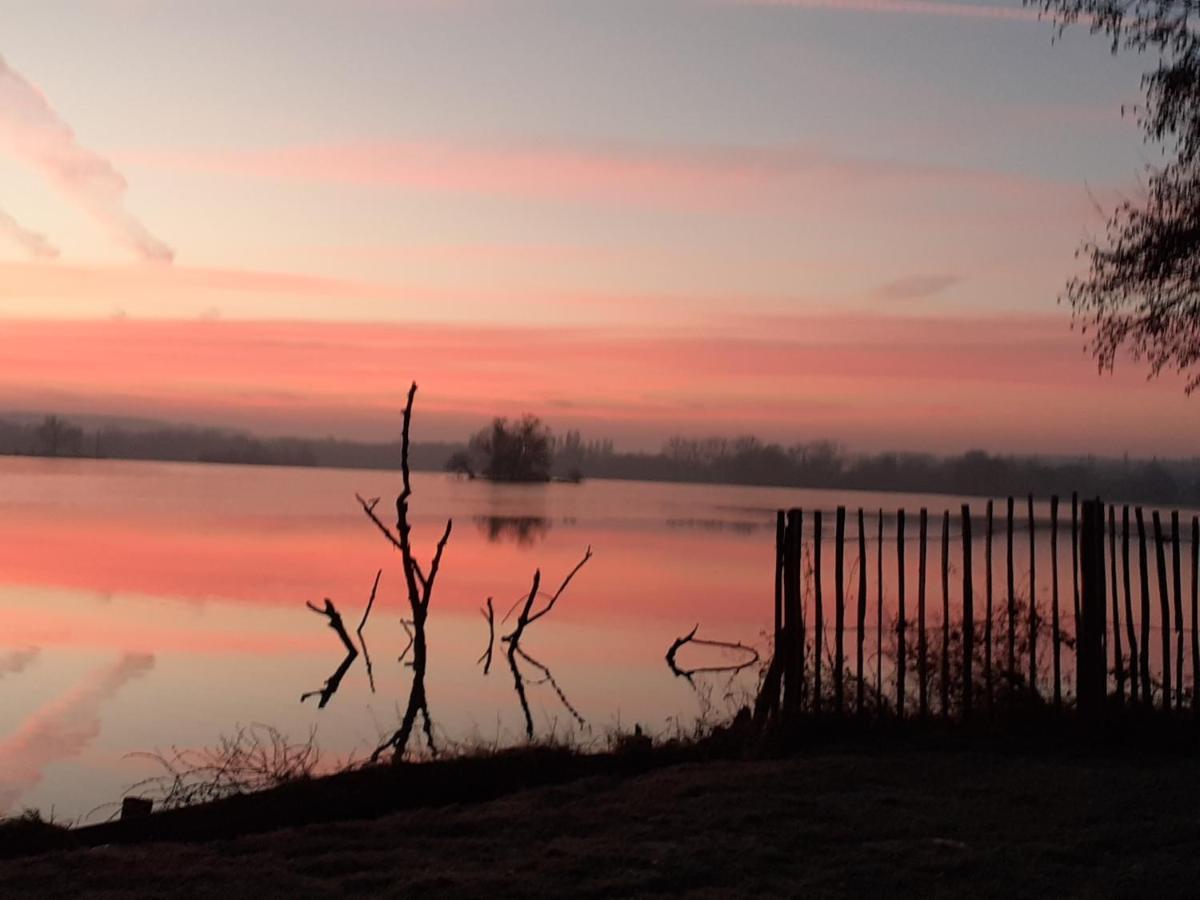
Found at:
[915, 820]
[906, 812]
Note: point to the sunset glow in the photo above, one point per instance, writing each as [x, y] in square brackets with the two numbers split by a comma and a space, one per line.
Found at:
[822, 237]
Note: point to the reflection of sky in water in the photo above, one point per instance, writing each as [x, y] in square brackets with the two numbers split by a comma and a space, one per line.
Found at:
[151, 605]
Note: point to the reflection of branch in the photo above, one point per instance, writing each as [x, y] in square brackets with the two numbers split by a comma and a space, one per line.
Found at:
[333, 682]
[486, 657]
[519, 685]
[690, 638]
[406, 625]
[362, 624]
[335, 622]
[554, 684]
[526, 617]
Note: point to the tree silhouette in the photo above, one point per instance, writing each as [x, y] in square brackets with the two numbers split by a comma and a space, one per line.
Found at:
[520, 451]
[1142, 290]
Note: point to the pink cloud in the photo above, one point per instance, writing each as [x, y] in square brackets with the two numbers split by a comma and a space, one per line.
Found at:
[32, 130]
[613, 173]
[874, 379]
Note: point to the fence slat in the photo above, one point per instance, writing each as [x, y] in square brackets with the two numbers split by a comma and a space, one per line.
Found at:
[862, 610]
[1116, 608]
[946, 614]
[1130, 631]
[1055, 624]
[922, 639]
[780, 531]
[1164, 611]
[1195, 610]
[1075, 555]
[1033, 606]
[1012, 602]
[901, 624]
[793, 678]
[879, 617]
[839, 614]
[1144, 577]
[1177, 584]
[968, 605]
[987, 622]
[1091, 677]
[818, 612]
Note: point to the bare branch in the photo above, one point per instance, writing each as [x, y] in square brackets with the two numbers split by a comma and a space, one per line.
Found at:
[362, 640]
[562, 587]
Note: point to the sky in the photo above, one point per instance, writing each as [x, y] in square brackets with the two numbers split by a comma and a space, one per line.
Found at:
[802, 219]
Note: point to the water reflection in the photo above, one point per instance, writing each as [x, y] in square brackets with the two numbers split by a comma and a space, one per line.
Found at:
[63, 728]
[524, 531]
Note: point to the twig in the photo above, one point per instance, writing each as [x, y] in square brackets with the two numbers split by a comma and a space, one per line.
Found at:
[370, 602]
[527, 617]
[486, 657]
[362, 640]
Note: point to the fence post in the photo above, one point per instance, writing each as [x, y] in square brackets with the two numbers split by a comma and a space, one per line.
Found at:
[1091, 674]
[968, 605]
[792, 676]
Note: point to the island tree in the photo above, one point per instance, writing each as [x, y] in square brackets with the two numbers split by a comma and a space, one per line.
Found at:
[514, 451]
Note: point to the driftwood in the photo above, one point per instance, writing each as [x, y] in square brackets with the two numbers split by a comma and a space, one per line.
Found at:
[690, 638]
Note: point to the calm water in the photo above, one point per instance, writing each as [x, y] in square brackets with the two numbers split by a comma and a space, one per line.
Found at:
[151, 605]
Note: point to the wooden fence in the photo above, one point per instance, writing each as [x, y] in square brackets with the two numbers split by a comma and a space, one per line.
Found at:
[1084, 638]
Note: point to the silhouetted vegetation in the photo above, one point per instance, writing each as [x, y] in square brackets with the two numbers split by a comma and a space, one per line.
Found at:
[714, 460]
[1142, 292]
[517, 451]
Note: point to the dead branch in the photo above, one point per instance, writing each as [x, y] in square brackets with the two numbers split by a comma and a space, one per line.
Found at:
[420, 591]
[335, 622]
[690, 638]
[526, 616]
[490, 615]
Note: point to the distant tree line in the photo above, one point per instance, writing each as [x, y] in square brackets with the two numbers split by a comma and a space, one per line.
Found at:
[526, 450]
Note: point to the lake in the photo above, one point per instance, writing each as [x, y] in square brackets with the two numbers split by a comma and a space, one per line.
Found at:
[155, 605]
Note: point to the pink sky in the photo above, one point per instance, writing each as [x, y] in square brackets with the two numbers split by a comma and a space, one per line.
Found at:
[600, 218]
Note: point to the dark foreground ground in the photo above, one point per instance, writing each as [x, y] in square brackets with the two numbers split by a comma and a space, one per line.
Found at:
[914, 822]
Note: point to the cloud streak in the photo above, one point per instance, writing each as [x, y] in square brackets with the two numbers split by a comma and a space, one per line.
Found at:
[62, 729]
[34, 243]
[31, 130]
